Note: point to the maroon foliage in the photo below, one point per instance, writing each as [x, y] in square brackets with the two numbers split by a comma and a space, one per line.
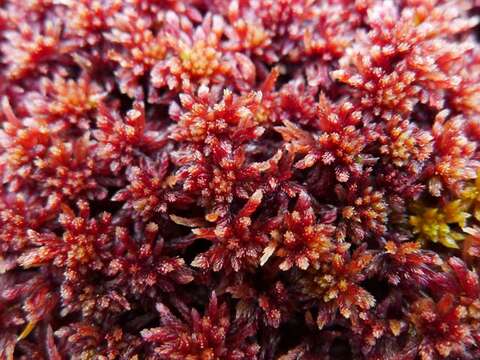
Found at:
[245, 179]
